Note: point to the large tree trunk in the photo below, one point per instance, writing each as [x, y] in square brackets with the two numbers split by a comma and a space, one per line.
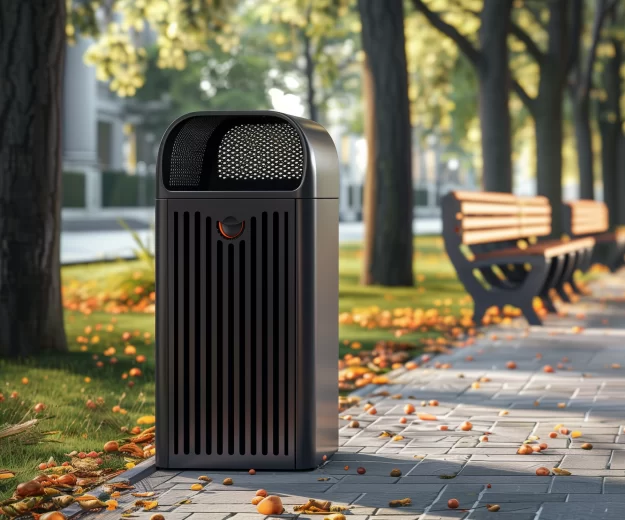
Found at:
[610, 130]
[32, 50]
[494, 79]
[384, 44]
[583, 137]
[368, 203]
[548, 113]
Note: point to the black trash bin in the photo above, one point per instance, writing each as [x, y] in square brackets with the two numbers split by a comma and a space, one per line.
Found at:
[247, 292]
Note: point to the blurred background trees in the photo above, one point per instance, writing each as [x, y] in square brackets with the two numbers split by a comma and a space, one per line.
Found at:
[504, 95]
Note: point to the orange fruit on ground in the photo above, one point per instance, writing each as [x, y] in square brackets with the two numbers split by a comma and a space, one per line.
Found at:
[271, 505]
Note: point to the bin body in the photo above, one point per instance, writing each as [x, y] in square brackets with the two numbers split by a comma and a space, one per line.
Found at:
[246, 293]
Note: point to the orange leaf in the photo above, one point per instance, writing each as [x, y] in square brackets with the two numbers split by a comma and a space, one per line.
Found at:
[427, 417]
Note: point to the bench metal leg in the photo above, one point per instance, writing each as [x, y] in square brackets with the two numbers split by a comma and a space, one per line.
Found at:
[568, 269]
[530, 314]
[479, 311]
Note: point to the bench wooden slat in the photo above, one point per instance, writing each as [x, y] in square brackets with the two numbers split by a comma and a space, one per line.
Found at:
[478, 196]
[535, 231]
[483, 236]
[548, 248]
[483, 208]
[473, 222]
[588, 217]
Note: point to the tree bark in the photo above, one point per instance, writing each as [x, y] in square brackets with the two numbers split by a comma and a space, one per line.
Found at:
[491, 64]
[580, 94]
[610, 123]
[368, 203]
[583, 138]
[32, 51]
[546, 108]
[313, 110]
[384, 44]
[494, 83]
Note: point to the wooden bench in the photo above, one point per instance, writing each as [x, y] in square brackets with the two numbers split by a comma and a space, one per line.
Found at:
[491, 239]
[590, 218]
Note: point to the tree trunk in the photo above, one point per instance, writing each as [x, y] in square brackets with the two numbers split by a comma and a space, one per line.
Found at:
[313, 110]
[384, 44]
[31, 59]
[583, 137]
[548, 113]
[368, 203]
[610, 130]
[494, 81]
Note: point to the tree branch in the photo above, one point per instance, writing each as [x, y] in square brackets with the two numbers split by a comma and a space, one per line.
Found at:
[535, 14]
[465, 46]
[528, 101]
[600, 16]
[530, 44]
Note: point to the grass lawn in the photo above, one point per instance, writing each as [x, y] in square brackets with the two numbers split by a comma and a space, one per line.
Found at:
[65, 383]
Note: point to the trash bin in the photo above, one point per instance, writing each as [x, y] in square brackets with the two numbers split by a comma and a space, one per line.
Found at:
[247, 292]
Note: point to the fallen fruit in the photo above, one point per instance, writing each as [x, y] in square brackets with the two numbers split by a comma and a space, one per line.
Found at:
[395, 472]
[111, 446]
[261, 493]
[252, 472]
[228, 482]
[548, 369]
[257, 500]
[409, 408]
[196, 487]
[466, 426]
[157, 516]
[427, 417]
[433, 402]
[271, 505]
[525, 450]
[205, 478]
[543, 446]
[442, 427]
[39, 407]
[484, 438]
[361, 471]
[453, 503]
[493, 508]
[403, 420]
[29, 489]
[354, 424]
[553, 435]
[511, 365]
[586, 446]
[543, 472]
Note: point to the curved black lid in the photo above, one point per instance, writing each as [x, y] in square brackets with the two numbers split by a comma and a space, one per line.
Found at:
[258, 154]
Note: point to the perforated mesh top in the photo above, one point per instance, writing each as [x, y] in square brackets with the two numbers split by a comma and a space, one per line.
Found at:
[271, 151]
[187, 154]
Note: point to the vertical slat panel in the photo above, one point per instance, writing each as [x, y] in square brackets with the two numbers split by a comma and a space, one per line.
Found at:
[215, 370]
[173, 330]
[221, 367]
[255, 334]
[203, 404]
[190, 317]
[234, 366]
[242, 343]
[181, 334]
[279, 260]
[271, 354]
[263, 323]
[290, 331]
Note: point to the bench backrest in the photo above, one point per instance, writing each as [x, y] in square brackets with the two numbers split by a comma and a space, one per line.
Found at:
[586, 217]
[481, 218]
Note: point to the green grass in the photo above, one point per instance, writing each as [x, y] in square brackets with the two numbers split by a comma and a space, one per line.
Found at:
[59, 380]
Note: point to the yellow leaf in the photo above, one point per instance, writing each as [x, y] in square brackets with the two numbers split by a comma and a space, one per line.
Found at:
[111, 505]
[560, 471]
[576, 434]
[146, 419]
[6, 474]
[147, 505]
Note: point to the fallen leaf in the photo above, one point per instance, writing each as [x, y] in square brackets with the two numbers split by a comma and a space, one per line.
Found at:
[560, 471]
[427, 417]
[144, 494]
[147, 505]
[6, 474]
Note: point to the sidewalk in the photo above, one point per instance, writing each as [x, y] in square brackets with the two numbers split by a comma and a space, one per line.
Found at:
[585, 394]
